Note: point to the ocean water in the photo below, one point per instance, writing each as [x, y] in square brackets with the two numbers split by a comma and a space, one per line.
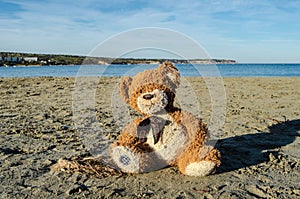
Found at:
[224, 70]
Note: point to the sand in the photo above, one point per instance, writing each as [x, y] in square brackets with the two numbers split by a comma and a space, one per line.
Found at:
[260, 144]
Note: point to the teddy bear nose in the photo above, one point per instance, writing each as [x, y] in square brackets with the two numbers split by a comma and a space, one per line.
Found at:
[148, 96]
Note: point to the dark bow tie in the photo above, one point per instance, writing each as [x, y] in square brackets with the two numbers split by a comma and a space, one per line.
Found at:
[156, 124]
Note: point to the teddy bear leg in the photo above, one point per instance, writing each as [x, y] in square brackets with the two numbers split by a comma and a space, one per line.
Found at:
[202, 168]
[136, 160]
[126, 159]
[199, 162]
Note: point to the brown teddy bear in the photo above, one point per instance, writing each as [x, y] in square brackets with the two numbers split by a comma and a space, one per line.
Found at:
[165, 135]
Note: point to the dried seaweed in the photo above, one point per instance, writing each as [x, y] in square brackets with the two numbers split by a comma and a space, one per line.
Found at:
[90, 166]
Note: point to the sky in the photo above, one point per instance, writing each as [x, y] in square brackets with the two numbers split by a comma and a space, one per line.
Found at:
[248, 31]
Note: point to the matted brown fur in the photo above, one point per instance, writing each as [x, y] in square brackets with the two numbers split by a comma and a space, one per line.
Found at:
[166, 78]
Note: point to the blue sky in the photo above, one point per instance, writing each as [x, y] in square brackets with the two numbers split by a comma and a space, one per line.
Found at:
[245, 30]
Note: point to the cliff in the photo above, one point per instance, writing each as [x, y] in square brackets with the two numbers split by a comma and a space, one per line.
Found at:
[15, 59]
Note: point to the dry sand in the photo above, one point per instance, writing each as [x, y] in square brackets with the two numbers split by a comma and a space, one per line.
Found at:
[260, 144]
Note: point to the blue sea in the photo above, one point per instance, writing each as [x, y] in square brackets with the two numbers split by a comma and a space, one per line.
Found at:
[224, 70]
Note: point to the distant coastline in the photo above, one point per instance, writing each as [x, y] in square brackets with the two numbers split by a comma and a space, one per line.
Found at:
[30, 59]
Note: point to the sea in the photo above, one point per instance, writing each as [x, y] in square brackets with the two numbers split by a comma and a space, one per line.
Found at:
[222, 70]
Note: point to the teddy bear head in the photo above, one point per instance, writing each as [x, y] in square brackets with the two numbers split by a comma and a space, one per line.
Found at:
[151, 91]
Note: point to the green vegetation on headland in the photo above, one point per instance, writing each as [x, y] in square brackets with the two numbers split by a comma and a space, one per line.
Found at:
[24, 59]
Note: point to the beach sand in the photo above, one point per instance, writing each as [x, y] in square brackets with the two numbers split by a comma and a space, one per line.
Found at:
[260, 145]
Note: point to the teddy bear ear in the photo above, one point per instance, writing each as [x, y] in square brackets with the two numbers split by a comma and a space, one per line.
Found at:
[124, 86]
[171, 72]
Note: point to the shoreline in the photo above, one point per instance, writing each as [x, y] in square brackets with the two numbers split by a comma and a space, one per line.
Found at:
[156, 63]
[125, 64]
[259, 145]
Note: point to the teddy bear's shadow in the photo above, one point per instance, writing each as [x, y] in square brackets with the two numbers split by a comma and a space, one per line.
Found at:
[252, 149]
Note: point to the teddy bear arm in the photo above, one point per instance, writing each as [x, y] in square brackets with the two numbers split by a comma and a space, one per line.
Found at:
[125, 139]
[195, 127]
[129, 135]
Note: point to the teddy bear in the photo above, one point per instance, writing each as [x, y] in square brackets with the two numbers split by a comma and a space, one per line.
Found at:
[164, 135]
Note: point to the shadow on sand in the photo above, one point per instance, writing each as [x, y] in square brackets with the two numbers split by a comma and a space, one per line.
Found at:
[251, 149]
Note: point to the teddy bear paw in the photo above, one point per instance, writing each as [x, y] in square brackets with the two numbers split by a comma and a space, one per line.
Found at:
[202, 168]
[125, 159]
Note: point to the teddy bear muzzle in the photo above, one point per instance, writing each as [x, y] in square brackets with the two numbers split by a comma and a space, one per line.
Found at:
[152, 102]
